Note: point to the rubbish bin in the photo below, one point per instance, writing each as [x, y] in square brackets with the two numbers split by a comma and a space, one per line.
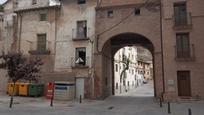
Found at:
[64, 91]
[35, 90]
[23, 89]
[49, 90]
[10, 88]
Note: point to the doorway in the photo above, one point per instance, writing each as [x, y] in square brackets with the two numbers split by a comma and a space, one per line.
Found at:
[184, 85]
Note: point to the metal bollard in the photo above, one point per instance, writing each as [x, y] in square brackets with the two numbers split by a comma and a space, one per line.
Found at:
[189, 112]
[51, 102]
[169, 108]
[80, 100]
[160, 102]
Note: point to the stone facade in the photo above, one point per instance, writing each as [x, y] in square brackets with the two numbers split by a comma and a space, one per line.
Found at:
[8, 37]
[195, 63]
[142, 29]
[109, 28]
[106, 26]
[58, 23]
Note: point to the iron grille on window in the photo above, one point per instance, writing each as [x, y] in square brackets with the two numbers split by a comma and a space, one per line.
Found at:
[183, 47]
[43, 17]
[81, 29]
[41, 43]
[180, 13]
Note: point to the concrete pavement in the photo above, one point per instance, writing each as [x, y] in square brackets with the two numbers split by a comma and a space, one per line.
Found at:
[134, 102]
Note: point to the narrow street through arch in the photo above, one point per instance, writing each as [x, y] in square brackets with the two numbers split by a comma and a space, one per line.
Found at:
[145, 90]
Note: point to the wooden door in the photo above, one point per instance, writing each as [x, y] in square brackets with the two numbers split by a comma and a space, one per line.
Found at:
[184, 85]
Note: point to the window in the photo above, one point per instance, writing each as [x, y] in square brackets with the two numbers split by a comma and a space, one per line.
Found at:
[116, 67]
[180, 13]
[116, 85]
[137, 11]
[41, 43]
[110, 14]
[81, 29]
[34, 2]
[182, 45]
[43, 17]
[80, 56]
[81, 1]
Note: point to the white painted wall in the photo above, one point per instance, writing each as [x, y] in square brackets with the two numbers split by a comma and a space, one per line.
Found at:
[133, 77]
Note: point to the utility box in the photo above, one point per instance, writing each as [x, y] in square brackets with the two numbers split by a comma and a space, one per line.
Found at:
[49, 90]
[64, 90]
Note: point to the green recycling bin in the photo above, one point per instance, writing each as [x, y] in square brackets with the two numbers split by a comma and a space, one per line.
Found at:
[36, 90]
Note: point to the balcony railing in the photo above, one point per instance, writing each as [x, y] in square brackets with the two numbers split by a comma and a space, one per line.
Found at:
[182, 22]
[185, 55]
[77, 36]
[44, 50]
[80, 63]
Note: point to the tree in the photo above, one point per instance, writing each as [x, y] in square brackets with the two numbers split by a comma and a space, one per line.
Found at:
[20, 68]
[126, 62]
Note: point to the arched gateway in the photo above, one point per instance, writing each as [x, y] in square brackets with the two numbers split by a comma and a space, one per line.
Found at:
[119, 31]
[104, 75]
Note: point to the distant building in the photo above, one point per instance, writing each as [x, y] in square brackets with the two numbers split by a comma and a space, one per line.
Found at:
[138, 72]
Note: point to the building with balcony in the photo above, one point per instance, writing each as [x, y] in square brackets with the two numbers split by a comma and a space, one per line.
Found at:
[61, 33]
[139, 70]
[79, 38]
[182, 40]
[130, 78]
[37, 30]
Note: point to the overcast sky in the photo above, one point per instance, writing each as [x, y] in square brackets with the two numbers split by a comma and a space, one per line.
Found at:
[2, 1]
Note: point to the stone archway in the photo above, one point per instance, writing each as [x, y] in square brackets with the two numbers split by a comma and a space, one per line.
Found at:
[103, 79]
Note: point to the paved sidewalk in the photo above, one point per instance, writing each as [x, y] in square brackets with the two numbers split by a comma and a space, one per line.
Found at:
[134, 102]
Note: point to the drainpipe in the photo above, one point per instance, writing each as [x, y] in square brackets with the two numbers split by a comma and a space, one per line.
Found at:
[20, 30]
[162, 52]
[55, 42]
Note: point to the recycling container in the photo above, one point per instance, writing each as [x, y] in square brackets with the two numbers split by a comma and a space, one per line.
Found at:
[35, 90]
[12, 88]
[64, 91]
[23, 89]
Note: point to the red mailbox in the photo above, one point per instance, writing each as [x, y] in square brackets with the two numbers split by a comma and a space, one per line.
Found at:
[50, 90]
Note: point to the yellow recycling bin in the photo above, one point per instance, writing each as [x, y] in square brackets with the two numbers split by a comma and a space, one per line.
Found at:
[13, 89]
[23, 89]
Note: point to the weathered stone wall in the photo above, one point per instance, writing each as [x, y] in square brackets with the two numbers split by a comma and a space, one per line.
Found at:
[3, 81]
[70, 13]
[31, 26]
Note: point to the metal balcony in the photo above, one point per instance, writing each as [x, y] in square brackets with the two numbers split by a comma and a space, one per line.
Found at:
[182, 22]
[77, 36]
[185, 55]
[35, 50]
